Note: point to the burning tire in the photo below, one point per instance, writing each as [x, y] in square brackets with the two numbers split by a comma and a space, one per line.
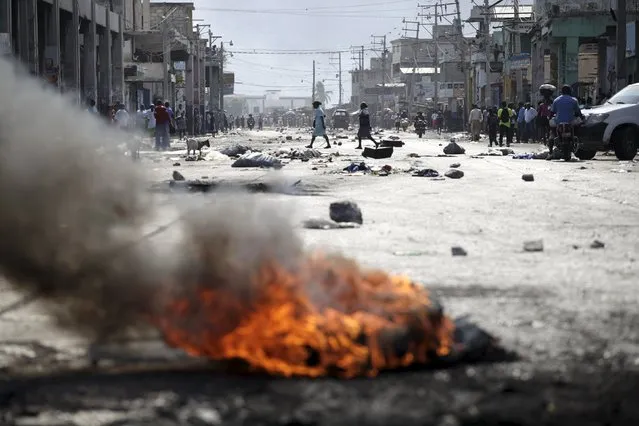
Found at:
[585, 154]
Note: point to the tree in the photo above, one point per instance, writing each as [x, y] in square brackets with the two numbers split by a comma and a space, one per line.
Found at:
[321, 94]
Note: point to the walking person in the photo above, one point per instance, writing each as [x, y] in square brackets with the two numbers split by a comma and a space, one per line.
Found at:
[365, 128]
[319, 125]
[504, 124]
[162, 119]
[475, 117]
[180, 122]
[521, 122]
[530, 117]
[492, 126]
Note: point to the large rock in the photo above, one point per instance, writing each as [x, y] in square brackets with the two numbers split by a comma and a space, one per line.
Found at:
[346, 211]
[454, 174]
[452, 148]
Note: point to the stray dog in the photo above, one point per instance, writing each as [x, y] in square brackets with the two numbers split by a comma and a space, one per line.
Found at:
[194, 145]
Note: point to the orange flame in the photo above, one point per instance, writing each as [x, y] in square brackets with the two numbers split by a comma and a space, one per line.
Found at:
[327, 317]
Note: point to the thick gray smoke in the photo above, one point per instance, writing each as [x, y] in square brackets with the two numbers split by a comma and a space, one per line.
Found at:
[74, 215]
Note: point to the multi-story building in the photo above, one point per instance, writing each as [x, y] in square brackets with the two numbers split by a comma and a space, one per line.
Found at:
[76, 45]
[429, 69]
[375, 86]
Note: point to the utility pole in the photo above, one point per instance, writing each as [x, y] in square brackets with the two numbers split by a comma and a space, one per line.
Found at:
[313, 97]
[381, 40]
[519, 74]
[339, 57]
[337, 61]
[435, 38]
[221, 81]
[487, 43]
[166, 59]
[463, 59]
[358, 52]
[621, 44]
[410, 89]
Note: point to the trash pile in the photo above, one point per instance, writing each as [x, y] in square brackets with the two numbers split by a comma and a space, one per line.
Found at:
[257, 159]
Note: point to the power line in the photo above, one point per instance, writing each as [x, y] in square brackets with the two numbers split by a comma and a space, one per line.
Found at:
[344, 14]
[310, 9]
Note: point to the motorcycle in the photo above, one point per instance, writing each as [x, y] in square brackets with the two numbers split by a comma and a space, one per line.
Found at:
[566, 141]
[420, 127]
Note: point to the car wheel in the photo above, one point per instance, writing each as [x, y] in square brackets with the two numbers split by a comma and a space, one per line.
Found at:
[585, 154]
[626, 144]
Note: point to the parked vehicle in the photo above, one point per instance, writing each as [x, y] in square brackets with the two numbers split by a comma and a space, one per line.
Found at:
[612, 126]
[341, 119]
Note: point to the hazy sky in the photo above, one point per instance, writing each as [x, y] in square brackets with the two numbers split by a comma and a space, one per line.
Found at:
[327, 25]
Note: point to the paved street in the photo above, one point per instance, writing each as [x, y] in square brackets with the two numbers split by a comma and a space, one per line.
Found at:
[568, 305]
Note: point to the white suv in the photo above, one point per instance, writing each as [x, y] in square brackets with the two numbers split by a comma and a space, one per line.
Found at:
[612, 126]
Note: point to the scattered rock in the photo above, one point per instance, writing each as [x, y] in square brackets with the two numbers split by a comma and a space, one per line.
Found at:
[534, 246]
[597, 245]
[454, 174]
[178, 176]
[453, 148]
[458, 251]
[506, 151]
[413, 155]
[394, 138]
[455, 166]
[528, 177]
[289, 138]
[325, 224]
[176, 164]
[345, 211]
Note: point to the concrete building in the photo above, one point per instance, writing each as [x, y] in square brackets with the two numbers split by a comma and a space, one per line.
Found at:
[273, 101]
[77, 45]
[374, 86]
[565, 38]
[427, 67]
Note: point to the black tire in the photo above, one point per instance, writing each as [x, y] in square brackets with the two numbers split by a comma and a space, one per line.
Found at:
[585, 154]
[625, 143]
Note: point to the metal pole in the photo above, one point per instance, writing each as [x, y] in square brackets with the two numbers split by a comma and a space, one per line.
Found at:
[621, 44]
[313, 99]
[166, 53]
[383, 72]
[487, 12]
[210, 72]
[436, 100]
[222, 76]
[339, 57]
[519, 74]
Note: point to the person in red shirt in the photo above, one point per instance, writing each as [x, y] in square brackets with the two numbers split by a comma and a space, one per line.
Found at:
[543, 121]
[162, 120]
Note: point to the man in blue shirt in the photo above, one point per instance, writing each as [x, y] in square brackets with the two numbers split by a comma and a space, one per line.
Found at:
[565, 109]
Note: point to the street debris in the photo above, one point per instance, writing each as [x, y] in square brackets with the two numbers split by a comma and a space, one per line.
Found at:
[597, 245]
[455, 166]
[528, 177]
[215, 156]
[534, 156]
[354, 167]
[257, 159]
[454, 149]
[458, 251]
[411, 253]
[413, 155]
[454, 174]
[385, 143]
[289, 138]
[378, 153]
[426, 173]
[235, 150]
[176, 164]
[325, 224]
[178, 176]
[345, 212]
[534, 246]
[304, 154]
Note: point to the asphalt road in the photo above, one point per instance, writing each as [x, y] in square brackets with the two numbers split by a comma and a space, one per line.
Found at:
[569, 308]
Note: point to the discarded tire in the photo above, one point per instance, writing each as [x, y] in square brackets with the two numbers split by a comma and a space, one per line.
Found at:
[528, 178]
[345, 211]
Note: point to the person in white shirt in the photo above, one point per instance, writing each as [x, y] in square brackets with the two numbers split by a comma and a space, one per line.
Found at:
[530, 114]
[122, 117]
[475, 117]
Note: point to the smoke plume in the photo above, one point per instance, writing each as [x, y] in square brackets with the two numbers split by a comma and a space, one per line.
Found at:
[75, 211]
